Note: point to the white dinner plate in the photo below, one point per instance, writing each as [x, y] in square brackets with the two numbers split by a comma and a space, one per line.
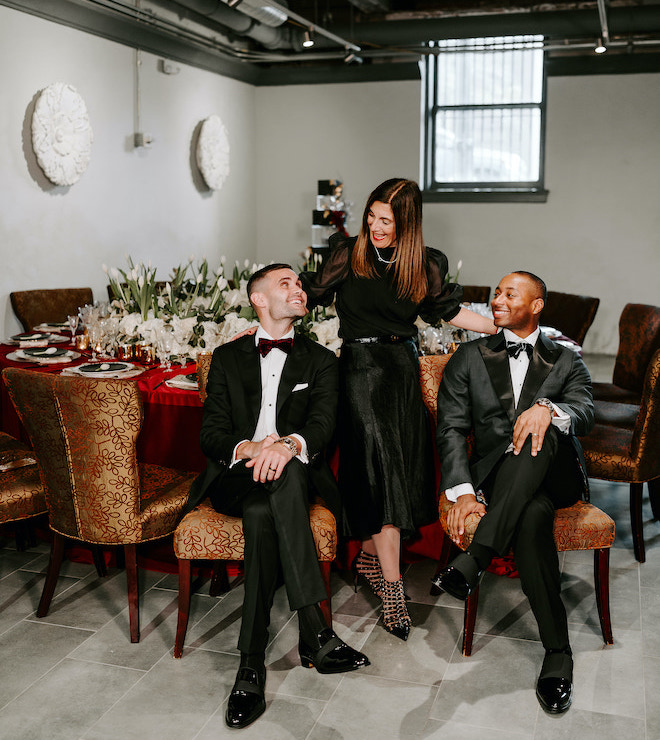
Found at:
[550, 332]
[102, 368]
[184, 382]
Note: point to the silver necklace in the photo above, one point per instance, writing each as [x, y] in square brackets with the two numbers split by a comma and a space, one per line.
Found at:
[380, 259]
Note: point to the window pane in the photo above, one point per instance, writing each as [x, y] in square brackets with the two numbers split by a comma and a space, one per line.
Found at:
[487, 145]
[470, 72]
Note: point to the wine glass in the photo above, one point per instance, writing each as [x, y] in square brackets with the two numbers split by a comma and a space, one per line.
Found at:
[73, 325]
[165, 343]
[95, 334]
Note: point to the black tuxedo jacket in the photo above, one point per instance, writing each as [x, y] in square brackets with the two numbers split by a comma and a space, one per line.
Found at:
[306, 404]
[476, 394]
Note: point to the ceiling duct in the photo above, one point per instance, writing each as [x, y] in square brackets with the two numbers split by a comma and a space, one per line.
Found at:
[261, 10]
[371, 6]
[240, 23]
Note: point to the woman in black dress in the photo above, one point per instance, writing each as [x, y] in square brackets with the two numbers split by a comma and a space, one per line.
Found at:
[381, 281]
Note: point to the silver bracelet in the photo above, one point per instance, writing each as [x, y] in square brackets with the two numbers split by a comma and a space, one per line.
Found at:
[290, 444]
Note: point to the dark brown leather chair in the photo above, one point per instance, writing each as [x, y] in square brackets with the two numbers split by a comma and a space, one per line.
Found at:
[639, 338]
[476, 293]
[570, 313]
[630, 455]
[33, 307]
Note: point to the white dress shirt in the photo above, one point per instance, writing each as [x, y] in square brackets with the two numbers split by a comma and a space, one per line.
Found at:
[518, 367]
[271, 372]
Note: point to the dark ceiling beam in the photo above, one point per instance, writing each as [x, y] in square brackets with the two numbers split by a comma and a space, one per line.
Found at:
[555, 24]
[124, 30]
[323, 74]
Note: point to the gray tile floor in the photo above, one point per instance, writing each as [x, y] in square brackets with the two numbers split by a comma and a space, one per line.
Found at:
[75, 675]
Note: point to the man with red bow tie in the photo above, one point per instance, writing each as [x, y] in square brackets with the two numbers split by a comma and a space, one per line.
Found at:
[270, 411]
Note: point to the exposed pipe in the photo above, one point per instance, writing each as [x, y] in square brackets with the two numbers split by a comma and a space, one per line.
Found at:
[604, 30]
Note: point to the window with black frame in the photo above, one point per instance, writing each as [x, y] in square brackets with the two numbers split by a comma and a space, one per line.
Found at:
[484, 128]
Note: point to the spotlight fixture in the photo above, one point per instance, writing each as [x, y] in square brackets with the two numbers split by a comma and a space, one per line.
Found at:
[600, 47]
[308, 41]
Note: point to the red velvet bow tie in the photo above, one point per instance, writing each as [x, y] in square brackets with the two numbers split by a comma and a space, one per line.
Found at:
[265, 345]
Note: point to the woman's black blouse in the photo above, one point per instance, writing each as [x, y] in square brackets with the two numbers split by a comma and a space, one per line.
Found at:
[368, 307]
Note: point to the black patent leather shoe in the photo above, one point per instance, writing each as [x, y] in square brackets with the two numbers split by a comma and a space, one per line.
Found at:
[330, 655]
[554, 694]
[554, 689]
[246, 701]
[453, 582]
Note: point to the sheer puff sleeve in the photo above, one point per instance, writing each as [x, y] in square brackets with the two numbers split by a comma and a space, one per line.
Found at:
[321, 286]
[443, 300]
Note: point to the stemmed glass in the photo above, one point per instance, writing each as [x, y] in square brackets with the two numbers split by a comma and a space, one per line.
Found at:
[165, 344]
[73, 325]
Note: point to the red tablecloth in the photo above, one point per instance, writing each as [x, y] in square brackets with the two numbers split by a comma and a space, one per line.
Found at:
[172, 417]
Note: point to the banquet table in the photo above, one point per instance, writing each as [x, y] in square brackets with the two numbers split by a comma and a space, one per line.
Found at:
[170, 435]
[172, 416]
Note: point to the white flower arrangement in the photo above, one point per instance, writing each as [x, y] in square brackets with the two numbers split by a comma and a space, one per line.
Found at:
[202, 309]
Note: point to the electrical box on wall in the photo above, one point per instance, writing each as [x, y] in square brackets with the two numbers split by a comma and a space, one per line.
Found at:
[143, 140]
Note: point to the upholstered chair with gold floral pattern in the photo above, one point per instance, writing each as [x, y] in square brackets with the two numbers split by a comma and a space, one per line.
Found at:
[632, 455]
[33, 307]
[21, 493]
[84, 432]
[205, 534]
[578, 527]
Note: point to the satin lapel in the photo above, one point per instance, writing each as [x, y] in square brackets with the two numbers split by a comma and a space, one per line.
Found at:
[540, 365]
[295, 362]
[250, 369]
[497, 367]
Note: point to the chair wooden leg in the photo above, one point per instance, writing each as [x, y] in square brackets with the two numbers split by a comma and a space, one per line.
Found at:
[654, 496]
[99, 561]
[602, 584]
[130, 553]
[326, 604]
[219, 580]
[636, 521]
[24, 534]
[469, 620]
[54, 564]
[185, 578]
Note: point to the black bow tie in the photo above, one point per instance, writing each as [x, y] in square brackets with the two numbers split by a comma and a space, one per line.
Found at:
[265, 345]
[513, 349]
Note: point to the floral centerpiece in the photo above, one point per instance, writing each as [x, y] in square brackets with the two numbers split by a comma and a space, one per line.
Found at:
[200, 308]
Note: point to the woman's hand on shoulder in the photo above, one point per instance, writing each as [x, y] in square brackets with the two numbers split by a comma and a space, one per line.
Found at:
[245, 333]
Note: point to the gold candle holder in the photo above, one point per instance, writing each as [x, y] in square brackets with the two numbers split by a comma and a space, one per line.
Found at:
[145, 353]
[82, 341]
[125, 352]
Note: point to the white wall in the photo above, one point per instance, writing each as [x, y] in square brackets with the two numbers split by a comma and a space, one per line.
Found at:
[149, 203]
[598, 234]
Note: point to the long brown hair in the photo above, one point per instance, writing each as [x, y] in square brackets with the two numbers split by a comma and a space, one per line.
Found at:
[405, 200]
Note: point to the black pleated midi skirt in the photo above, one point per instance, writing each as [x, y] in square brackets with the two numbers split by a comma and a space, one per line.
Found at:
[385, 449]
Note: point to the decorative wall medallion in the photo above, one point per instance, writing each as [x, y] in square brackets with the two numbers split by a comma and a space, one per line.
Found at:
[61, 134]
[213, 152]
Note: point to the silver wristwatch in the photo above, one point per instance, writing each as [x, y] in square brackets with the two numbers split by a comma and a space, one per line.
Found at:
[290, 444]
[547, 403]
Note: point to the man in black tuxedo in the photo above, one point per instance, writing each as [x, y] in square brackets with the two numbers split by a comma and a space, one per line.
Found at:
[259, 388]
[525, 398]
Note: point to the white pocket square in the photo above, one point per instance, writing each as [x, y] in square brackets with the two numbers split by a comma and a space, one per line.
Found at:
[299, 387]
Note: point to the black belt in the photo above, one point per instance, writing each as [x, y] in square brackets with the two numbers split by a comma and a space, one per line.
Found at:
[392, 339]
